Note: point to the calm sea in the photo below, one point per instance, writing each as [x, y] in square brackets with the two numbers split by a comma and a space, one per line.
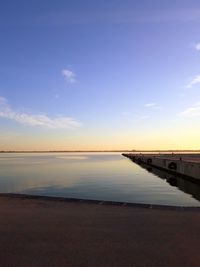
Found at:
[102, 176]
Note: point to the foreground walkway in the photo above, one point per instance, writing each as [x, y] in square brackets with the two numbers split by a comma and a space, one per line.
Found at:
[41, 233]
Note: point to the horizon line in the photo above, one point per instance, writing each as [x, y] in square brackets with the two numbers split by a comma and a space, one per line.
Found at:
[104, 150]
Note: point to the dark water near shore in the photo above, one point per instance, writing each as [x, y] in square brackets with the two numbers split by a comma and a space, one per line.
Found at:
[102, 176]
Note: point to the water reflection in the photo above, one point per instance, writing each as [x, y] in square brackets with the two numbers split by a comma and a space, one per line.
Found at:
[104, 176]
[186, 185]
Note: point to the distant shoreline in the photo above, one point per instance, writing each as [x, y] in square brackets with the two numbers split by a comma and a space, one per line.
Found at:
[95, 151]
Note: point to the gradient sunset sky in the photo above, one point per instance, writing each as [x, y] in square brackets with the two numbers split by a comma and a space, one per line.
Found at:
[99, 74]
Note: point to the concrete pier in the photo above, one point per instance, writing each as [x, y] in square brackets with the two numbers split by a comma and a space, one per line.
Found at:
[187, 165]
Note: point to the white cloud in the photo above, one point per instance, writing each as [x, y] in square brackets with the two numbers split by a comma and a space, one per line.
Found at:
[36, 120]
[126, 15]
[142, 117]
[197, 46]
[152, 105]
[3, 101]
[191, 111]
[193, 82]
[69, 75]
[56, 96]
[125, 113]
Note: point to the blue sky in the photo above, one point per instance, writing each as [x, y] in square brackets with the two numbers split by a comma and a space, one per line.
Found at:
[99, 74]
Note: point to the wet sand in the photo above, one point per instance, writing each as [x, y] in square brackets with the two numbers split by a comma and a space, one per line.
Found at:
[42, 232]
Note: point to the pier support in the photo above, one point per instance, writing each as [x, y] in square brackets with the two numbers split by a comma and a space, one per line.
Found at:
[184, 164]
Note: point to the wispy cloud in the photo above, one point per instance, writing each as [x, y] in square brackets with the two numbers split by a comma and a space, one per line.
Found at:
[152, 105]
[144, 117]
[126, 15]
[197, 46]
[69, 75]
[141, 117]
[125, 113]
[193, 82]
[193, 111]
[56, 96]
[36, 120]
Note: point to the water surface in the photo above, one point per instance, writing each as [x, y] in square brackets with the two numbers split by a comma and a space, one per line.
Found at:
[102, 176]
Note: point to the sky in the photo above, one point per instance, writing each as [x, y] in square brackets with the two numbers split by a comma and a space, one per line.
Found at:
[99, 74]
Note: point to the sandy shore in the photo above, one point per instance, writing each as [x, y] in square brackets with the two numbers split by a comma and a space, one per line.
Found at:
[42, 232]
